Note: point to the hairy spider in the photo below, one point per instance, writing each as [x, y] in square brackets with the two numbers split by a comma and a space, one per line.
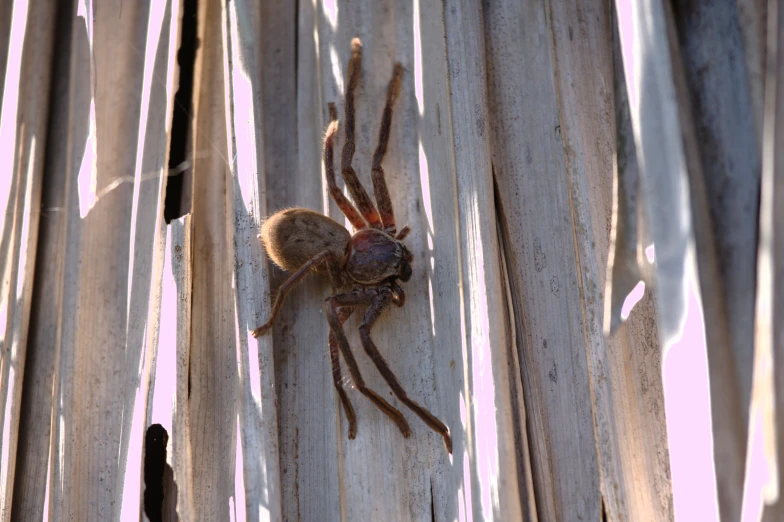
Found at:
[369, 262]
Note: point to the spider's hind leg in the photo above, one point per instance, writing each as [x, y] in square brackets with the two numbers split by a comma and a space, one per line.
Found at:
[331, 306]
[348, 409]
[386, 297]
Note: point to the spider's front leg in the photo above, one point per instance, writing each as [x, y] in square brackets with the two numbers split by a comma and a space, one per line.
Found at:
[361, 198]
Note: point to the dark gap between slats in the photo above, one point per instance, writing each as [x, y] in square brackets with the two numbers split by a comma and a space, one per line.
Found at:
[180, 166]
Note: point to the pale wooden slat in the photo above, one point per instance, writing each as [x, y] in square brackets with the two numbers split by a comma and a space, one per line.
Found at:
[720, 96]
[627, 392]
[168, 395]
[115, 215]
[379, 456]
[213, 357]
[485, 361]
[257, 412]
[534, 195]
[233, 426]
[312, 428]
[727, 364]
[182, 455]
[645, 453]
[519, 414]
[687, 266]
[471, 346]
[35, 429]
[23, 131]
[769, 340]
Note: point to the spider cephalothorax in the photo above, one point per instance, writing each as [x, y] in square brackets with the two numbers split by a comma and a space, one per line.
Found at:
[368, 263]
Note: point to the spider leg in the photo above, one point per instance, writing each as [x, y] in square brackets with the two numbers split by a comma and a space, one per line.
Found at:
[403, 233]
[361, 198]
[377, 307]
[329, 166]
[344, 313]
[330, 307]
[383, 200]
[285, 288]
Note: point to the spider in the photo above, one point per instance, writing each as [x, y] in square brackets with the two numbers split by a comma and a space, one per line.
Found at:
[369, 262]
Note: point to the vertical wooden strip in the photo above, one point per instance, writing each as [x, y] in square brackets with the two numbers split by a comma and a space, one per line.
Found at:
[23, 132]
[258, 420]
[182, 264]
[115, 212]
[728, 409]
[711, 47]
[531, 171]
[32, 477]
[168, 397]
[627, 392]
[769, 375]
[213, 360]
[688, 271]
[312, 427]
[403, 335]
[494, 477]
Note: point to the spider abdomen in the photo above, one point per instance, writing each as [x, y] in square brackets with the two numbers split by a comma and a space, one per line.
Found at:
[295, 235]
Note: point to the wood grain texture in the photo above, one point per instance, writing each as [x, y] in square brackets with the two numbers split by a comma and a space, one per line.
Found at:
[728, 409]
[113, 207]
[35, 423]
[23, 132]
[182, 455]
[500, 160]
[213, 369]
[485, 360]
[256, 410]
[167, 400]
[627, 392]
[527, 137]
[770, 283]
[719, 93]
[311, 430]
[667, 129]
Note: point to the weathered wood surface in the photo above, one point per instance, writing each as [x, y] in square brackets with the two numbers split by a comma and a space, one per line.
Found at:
[695, 111]
[769, 341]
[122, 71]
[233, 431]
[104, 181]
[501, 161]
[167, 401]
[256, 409]
[23, 139]
[33, 452]
[555, 191]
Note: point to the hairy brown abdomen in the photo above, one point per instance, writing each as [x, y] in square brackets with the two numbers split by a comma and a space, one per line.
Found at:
[295, 235]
